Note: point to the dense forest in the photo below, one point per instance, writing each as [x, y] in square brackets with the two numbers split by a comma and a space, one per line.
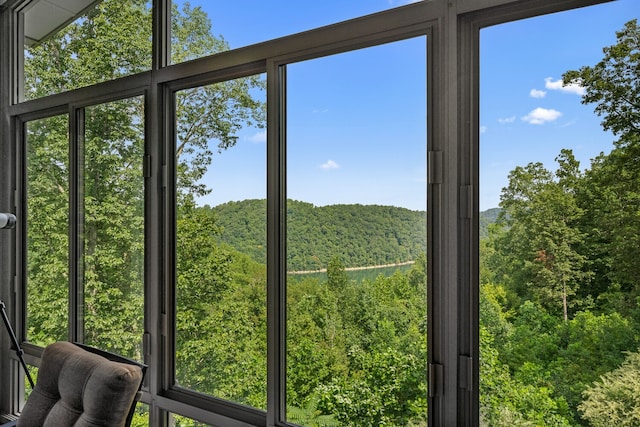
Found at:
[560, 294]
[360, 235]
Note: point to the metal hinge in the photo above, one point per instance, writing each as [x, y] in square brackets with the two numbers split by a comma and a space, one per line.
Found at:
[435, 167]
[146, 344]
[436, 380]
[146, 166]
[466, 372]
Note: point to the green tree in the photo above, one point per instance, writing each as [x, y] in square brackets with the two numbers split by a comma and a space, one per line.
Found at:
[388, 389]
[336, 275]
[614, 85]
[507, 401]
[539, 248]
[589, 346]
[47, 237]
[316, 347]
[111, 41]
[613, 183]
[614, 399]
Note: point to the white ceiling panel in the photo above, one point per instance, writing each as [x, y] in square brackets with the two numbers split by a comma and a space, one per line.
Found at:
[46, 17]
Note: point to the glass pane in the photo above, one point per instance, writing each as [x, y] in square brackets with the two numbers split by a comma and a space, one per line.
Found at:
[220, 341]
[200, 28]
[356, 238]
[558, 301]
[47, 167]
[83, 42]
[176, 420]
[141, 415]
[112, 216]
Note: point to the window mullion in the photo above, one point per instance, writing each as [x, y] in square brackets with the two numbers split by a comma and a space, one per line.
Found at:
[76, 162]
[276, 238]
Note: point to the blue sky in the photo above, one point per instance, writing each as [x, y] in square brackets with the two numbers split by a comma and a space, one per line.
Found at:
[356, 126]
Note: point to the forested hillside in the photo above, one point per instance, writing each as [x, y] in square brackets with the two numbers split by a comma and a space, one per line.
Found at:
[487, 218]
[360, 235]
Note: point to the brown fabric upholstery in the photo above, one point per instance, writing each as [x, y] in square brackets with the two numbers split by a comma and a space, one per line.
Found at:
[80, 389]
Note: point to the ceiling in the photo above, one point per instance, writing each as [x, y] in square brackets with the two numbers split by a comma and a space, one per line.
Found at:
[44, 18]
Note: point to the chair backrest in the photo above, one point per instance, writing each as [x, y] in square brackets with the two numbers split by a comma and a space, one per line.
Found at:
[120, 359]
[82, 386]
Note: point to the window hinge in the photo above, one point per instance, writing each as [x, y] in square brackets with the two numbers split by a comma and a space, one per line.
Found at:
[163, 322]
[465, 201]
[146, 344]
[466, 372]
[146, 166]
[436, 380]
[434, 167]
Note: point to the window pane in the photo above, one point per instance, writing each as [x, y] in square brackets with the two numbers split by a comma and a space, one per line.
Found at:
[356, 237]
[558, 307]
[201, 28]
[47, 167]
[141, 415]
[220, 341]
[93, 41]
[112, 219]
[176, 420]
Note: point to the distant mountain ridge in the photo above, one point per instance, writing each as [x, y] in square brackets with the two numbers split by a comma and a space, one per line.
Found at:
[361, 235]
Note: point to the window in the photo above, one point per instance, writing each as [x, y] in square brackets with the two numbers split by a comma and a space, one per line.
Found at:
[194, 186]
[68, 45]
[232, 25]
[356, 237]
[94, 189]
[111, 221]
[549, 327]
[48, 186]
[220, 333]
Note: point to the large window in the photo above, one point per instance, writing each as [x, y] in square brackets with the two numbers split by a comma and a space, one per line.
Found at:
[276, 208]
[93, 188]
[220, 334]
[356, 237]
[556, 294]
[111, 221]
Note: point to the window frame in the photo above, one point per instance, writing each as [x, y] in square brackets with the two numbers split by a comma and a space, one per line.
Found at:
[452, 28]
[277, 195]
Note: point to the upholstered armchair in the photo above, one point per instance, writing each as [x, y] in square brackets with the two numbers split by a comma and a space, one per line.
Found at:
[81, 386]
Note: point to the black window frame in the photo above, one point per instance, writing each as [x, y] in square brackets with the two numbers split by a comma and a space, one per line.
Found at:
[452, 28]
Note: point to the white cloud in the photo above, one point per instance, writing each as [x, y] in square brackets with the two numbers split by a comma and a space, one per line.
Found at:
[330, 164]
[536, 93]
[483, 129]
[259, 137]
[573, 88]
[540, 116]
[507, 120]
